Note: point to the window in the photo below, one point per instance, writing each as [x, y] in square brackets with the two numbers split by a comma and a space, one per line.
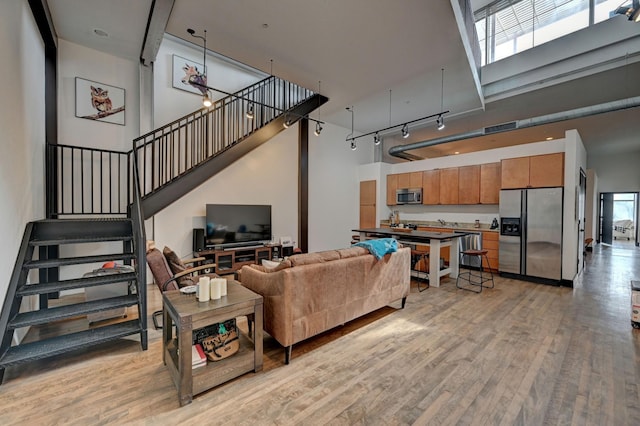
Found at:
[623, 207]
[507, 27]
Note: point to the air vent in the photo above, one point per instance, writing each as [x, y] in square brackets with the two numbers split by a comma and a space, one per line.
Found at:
[500, 128]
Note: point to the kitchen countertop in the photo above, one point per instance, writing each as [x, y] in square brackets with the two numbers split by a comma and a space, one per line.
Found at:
[484, 227]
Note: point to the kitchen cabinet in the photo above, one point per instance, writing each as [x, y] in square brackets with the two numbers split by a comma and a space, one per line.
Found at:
[449, 185]
[538, 171]
[392, 186]
[469, 185]
[368, 204]
[490, 243]
[410, 180]
[431, 187]
[490, 183]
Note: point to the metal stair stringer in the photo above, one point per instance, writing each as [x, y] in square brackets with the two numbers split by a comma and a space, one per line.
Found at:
[172, 191]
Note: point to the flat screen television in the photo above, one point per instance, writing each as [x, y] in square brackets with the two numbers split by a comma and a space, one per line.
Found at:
[237, 225]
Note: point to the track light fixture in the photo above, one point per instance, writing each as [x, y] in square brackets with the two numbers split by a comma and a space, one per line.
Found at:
[353, 145]
[201, 80]
[250, 114]
[206, 100]
[440, 122]
[405, 131]
[286, 122]
[318, 129]
[377, 139]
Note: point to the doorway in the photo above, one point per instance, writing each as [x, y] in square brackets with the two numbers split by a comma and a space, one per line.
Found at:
[618, 220]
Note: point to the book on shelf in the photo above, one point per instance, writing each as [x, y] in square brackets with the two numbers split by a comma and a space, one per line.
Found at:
[198, 358]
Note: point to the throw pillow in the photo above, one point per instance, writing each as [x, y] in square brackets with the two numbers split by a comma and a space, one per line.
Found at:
[271, 266]
[379, 247]
[176, 266]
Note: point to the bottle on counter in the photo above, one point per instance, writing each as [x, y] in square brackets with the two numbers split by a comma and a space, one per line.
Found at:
[476, 224]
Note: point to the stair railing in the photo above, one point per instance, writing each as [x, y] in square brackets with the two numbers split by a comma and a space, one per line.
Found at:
[139, 247]
[170, 151]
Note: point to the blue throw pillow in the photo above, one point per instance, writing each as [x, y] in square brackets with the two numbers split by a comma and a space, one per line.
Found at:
[379, 247]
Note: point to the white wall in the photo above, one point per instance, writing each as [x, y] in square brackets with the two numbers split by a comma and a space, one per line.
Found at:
[78, 61]
[617, 172]
[22, 136]
[591, 205]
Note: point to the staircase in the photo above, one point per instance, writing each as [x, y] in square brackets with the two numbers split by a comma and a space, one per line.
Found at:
[113, 193]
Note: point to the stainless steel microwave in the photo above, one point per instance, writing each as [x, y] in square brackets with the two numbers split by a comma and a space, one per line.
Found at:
[409, 196]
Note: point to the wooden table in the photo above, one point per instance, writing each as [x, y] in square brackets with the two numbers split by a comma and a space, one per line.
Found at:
[434, 240]
[188, 314]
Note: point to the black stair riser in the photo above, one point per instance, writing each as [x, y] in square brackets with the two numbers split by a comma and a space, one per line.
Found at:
[33, 289]
[67, 343]
[80, 228]
[45, 316]
[82, 240]
[52, 263]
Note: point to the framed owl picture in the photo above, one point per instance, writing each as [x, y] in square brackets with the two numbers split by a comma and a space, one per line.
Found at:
[99, 101]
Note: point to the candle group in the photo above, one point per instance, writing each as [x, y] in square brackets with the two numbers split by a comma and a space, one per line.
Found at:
[211, 288]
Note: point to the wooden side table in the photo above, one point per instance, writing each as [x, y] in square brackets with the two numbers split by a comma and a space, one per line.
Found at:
[188, 314]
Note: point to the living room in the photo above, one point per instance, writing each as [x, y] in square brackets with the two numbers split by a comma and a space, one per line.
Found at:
[268, 175]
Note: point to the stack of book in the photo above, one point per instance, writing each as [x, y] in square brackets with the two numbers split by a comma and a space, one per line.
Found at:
[198, 358]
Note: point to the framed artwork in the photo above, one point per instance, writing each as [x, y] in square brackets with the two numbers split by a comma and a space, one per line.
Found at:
[189, 75]
[99, 101]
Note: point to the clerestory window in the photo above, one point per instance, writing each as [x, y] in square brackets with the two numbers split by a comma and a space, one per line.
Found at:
[507, 27]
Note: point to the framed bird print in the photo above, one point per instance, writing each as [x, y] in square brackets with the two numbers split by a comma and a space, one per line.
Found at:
[189, 75]
[99, 101]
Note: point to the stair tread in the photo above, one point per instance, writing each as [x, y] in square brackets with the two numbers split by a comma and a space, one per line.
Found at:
[76, 240]
[49, 263]
[44, 316]
[67, 343]
[31, 289]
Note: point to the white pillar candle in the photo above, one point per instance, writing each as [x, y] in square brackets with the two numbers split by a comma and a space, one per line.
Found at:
[203, 289]
[215, 289]
[223, 287]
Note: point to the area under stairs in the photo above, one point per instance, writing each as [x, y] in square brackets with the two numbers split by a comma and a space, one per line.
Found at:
[74, 236]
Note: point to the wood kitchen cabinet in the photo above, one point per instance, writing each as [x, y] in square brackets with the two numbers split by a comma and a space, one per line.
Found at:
[469, 185]
[410, 180]
[392, 186]
[490, 183]
[490, 243]
[449, 185]
[431, 187]
[368, 204]
[538, 171]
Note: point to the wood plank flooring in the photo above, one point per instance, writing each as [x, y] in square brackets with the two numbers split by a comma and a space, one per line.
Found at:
[521, 353]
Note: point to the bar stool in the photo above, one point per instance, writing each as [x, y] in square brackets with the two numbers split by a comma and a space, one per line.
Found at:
[473, 277]
[416, 258]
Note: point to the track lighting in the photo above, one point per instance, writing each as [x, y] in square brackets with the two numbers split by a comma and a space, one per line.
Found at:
[318, 129]
[286, 123]
[377, 139]
[250, 113]
[405, 131]
[353, 145]
[440, 122]
[206, 101]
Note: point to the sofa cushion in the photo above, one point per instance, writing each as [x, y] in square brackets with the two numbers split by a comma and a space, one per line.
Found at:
[310, 258]
[177, 266]
[380, 246]
[352, 252]
[272, 266]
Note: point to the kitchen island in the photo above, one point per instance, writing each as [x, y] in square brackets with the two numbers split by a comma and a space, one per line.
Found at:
[434, 240]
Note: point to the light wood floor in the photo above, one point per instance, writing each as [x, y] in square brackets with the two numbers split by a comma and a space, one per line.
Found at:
[521, 353]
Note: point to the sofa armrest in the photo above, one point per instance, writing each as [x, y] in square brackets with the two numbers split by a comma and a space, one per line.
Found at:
[274, 287]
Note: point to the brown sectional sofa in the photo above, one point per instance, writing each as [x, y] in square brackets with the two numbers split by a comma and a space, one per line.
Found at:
[311, 293]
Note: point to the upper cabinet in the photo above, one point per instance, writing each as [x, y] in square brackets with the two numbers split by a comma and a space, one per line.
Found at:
[490, 183]
[410, 180]
[449, 185]
[392, 186]
[537, 171]
[431, 187]
[469, 185]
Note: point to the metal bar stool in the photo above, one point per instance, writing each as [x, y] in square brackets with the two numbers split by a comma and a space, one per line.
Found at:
[420, 265]
[475, 278]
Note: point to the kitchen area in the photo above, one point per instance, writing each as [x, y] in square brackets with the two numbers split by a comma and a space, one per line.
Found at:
[514, 209]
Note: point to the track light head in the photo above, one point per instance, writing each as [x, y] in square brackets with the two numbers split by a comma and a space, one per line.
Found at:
[377, 139]
[318, 129]
[440, 122]
[250, 113]
[405, 131]
[287, 122]
[353, 145]
[191, 31]
[206, 101]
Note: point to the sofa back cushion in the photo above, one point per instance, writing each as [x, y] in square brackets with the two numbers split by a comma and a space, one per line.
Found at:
[352, 252]
[310, 258]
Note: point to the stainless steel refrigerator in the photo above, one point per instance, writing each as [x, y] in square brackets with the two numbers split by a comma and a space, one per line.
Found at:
[531, 232]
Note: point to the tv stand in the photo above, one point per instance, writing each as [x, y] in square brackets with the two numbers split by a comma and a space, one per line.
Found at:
[231, 259]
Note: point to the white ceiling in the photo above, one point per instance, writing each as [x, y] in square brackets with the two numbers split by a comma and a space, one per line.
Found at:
[383, 57]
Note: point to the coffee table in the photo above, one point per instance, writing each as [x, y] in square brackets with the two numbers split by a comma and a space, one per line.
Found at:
[188, 314]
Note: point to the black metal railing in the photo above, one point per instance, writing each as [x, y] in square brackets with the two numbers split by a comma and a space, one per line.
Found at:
[168, 152]
[139, 247]
[89, 181]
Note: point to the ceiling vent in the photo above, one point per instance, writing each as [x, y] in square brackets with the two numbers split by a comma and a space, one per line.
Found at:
[501, 128]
